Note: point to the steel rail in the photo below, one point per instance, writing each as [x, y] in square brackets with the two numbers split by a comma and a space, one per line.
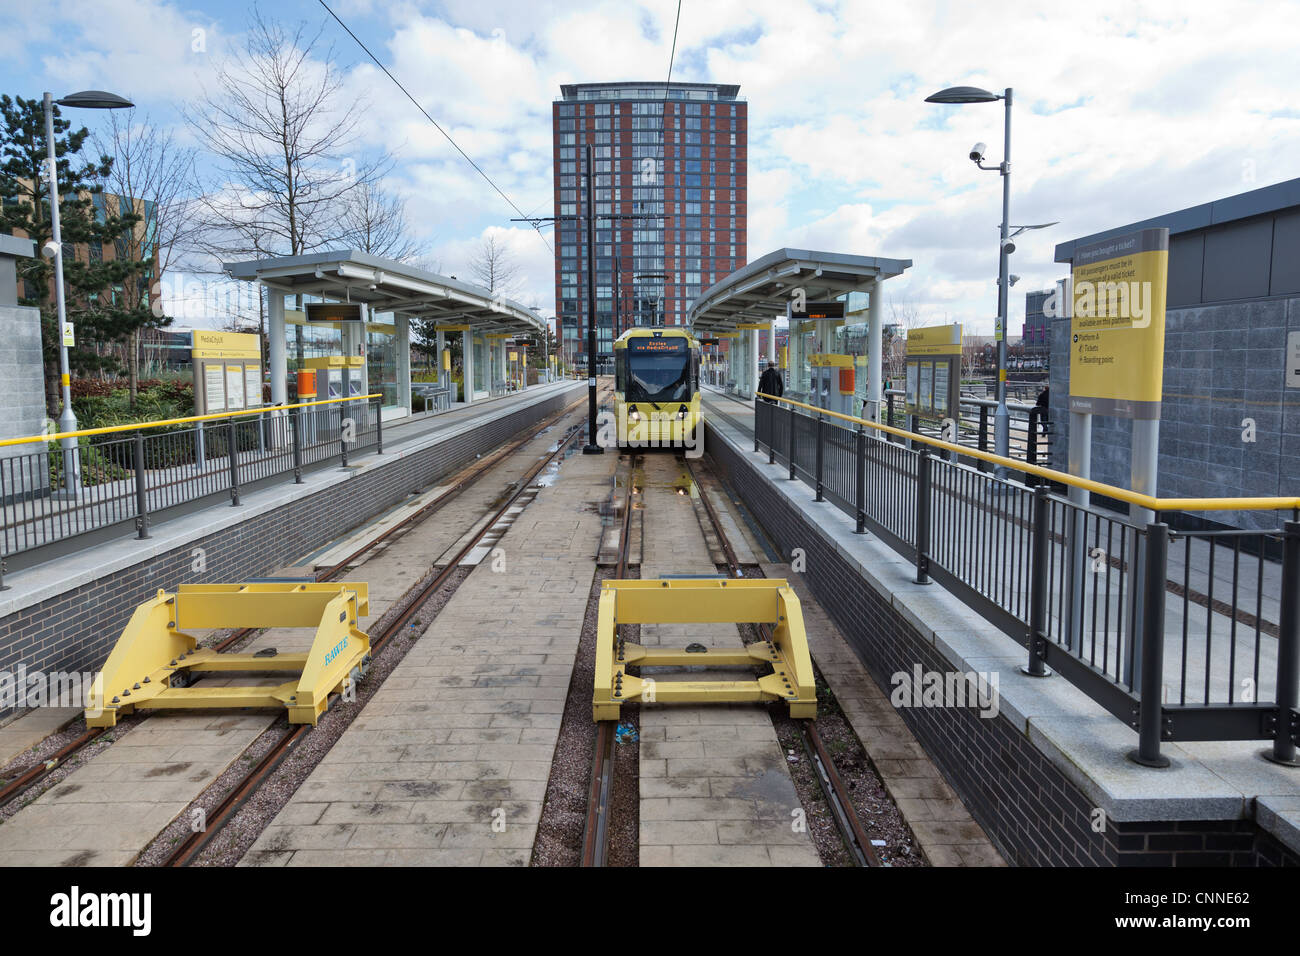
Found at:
[595, 833]
[36, 772]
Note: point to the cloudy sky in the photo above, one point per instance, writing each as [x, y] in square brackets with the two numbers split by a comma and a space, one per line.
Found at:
[1123, 110]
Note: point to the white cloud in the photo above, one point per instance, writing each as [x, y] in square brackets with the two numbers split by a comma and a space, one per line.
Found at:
[1122, 111]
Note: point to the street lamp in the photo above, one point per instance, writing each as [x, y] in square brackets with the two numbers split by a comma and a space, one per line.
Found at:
[958, 95]
[88, 100]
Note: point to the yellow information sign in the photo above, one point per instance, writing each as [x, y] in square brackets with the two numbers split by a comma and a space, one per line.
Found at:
[226, 345]
[1117, 325]
[935, 340]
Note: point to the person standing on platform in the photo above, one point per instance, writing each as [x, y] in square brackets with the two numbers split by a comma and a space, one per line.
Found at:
[770, 383]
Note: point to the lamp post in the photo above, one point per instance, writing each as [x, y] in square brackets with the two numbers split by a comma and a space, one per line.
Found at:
[971, 94]
[92, 100]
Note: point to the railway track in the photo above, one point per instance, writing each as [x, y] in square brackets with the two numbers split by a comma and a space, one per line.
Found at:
[595, 837]
[189, 849]
[830, 783]
[32, 776]
[832, 786]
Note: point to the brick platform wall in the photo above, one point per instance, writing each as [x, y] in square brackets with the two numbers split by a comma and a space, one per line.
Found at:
[75, 631]
[1033, 813]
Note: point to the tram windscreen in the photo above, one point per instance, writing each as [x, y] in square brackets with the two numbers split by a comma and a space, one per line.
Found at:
[658, 370]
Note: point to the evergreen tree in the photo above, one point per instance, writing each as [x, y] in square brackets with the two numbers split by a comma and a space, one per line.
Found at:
[88, 224]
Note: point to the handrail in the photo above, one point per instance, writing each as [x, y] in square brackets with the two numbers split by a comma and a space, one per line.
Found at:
[1111, 491]
[139, 426]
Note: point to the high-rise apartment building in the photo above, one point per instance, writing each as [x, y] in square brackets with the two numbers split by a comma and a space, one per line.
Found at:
[672, 153]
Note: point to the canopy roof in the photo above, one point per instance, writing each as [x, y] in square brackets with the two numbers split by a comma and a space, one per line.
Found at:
[386, 285]
[762, 290]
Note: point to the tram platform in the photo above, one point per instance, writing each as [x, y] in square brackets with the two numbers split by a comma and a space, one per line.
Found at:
[1044, 768]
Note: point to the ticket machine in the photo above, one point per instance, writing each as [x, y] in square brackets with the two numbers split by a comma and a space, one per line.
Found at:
[336, 377]
[832, 382]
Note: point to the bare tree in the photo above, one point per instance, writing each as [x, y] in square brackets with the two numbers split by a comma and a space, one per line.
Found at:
[493, 266]
[153, 177]
[373, 220]
[903, 317]
[284, 145]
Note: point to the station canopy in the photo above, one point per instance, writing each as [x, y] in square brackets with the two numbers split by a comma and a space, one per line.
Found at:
[386, 285]
[762, 290]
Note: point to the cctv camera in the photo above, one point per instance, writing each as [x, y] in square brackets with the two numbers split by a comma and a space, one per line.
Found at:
[50, 249]
[977, 153]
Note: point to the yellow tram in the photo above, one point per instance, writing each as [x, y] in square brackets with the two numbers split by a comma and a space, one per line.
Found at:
[657, 388]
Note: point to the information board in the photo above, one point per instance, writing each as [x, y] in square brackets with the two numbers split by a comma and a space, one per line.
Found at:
[214, 388]
[1117, 325]
[227, 371]
[253, 384]
[941, 379]
[934, 370]
[234, 387]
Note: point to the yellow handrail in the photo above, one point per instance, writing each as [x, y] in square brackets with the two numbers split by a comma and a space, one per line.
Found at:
[1110, 491]
[139, 426]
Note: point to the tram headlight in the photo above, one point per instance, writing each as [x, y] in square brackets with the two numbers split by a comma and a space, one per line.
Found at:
[633, 415]
[681, 413]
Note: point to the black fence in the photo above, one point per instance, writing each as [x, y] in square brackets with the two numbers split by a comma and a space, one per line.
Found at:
[134, 475]
[1183, 636]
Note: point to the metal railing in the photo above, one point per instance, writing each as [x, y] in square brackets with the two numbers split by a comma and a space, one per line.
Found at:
[131, 473]
[1182, 635]
[1029, 430]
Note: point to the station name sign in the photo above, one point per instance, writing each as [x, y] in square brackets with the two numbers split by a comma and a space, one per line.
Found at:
[225, 345]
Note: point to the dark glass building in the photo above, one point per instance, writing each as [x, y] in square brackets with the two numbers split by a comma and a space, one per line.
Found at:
[1035, 339]
[673, 153]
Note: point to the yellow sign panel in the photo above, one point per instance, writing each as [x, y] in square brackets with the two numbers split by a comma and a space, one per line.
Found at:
[1117, 325]
[935, 340]
[225, 345]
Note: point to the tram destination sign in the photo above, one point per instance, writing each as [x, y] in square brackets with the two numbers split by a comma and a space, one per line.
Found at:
[1117, 325]
[335, 311]
[817, 310]
[656, 344]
